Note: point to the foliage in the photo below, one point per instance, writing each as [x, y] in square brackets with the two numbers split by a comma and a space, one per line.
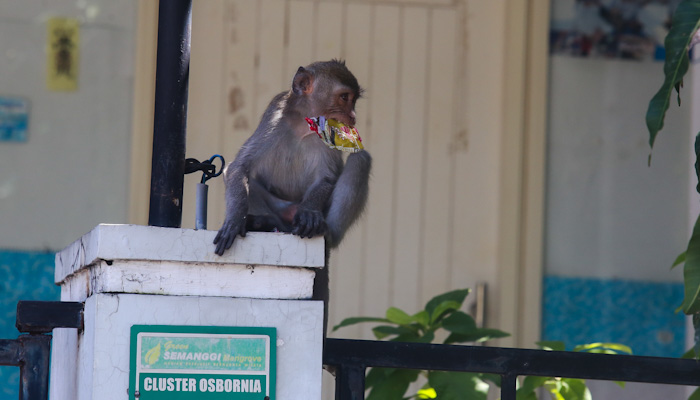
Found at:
[684, 24]
[684, 27]
[567, 388]
[443, 313]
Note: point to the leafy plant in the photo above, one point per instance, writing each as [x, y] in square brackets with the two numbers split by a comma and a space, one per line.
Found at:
[685, 22]
[566, 388]
[443, 313]
[684, 26]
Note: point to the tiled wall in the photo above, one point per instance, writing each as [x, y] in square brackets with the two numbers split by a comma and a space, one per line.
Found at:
[636, 313]
[23, 276]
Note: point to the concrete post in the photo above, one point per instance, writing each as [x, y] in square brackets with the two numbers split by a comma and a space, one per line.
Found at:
[136, 275]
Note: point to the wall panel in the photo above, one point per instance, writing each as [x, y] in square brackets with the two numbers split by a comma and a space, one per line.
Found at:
[411, 58]
[432, 117]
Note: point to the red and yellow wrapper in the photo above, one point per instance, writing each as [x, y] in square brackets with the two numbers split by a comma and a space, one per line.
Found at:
[335, 134]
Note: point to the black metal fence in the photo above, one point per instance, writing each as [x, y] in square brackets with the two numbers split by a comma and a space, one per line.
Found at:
[352, 357]
[31, 353]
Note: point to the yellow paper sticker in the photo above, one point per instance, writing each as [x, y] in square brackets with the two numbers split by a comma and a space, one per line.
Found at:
[63, 51]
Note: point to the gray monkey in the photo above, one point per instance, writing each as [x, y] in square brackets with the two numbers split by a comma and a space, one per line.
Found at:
[285, 178]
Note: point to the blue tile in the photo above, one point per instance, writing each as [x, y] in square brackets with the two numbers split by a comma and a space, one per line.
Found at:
[638, 314]
[23, 276]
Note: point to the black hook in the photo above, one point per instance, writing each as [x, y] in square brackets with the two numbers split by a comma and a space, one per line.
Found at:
[207, 167]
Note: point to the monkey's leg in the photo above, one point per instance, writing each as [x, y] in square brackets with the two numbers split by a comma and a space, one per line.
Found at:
[267, 212]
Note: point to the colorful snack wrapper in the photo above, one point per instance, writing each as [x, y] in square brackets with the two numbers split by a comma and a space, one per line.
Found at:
[335, 134]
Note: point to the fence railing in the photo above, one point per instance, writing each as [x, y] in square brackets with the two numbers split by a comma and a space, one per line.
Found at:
[351, 357]
[31, 351]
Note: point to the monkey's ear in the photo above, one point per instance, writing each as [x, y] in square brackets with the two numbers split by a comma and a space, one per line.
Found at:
[302, 82]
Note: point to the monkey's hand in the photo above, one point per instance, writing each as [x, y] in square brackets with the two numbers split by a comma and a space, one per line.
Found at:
[308, 222]
[229, 230]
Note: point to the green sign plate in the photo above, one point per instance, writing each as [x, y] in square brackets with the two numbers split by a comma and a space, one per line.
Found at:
[202, 362]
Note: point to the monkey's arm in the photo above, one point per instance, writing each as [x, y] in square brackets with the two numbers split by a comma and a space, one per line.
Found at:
[309, 220]
[235, 178]
[349, 196]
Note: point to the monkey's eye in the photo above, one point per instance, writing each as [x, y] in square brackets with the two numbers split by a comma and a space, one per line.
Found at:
[345, 96]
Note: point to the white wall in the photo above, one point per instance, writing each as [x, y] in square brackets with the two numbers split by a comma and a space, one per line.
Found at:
[72, 173]
[608, 214]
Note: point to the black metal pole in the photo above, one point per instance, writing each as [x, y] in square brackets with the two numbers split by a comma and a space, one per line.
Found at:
[350, 382]
[34, 370]
[172, 75]
[508, 387]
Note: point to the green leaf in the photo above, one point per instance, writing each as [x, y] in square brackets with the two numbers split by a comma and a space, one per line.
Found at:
[556, 386]
[427, 338]
[464, 329]
[552, 345]
[493, 378]
[398, 316]
[690, 354]
[393, 386]
[679, 260]
[406, 338]
[357, 320]
[415, 337]
[382, 331]
[454, 300]
[444, 309]
[427, 393]
[530, 384]
[607, 348]
[685, 22]
[376, 375]
[459, 322]
[478, 335]
[695, 395]
[458, 385]
[691, 273]
[525, 395]
[572, 389]
[422, 318]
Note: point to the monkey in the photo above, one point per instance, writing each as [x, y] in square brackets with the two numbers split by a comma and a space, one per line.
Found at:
[285, 178]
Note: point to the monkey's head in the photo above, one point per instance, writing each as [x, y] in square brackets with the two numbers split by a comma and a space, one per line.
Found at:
[327, 88]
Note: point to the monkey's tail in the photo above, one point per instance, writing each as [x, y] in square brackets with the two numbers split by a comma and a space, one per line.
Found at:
[349, 196]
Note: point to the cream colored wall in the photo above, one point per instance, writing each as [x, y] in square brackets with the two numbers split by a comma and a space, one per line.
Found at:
[453, 117]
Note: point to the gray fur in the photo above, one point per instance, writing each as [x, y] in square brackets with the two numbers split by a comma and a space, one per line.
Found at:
[284, 177]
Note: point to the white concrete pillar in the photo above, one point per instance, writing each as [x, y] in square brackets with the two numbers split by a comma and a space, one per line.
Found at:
[135, 275]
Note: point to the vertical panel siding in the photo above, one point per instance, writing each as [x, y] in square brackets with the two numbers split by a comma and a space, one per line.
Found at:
[347, 281]
[204, 134]
[271, 79]
[476, 162]
[411, 243]
[436, 217]
[381, 136]
[300, 37]
[328, 30]
[240, 52]
[411, 127]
